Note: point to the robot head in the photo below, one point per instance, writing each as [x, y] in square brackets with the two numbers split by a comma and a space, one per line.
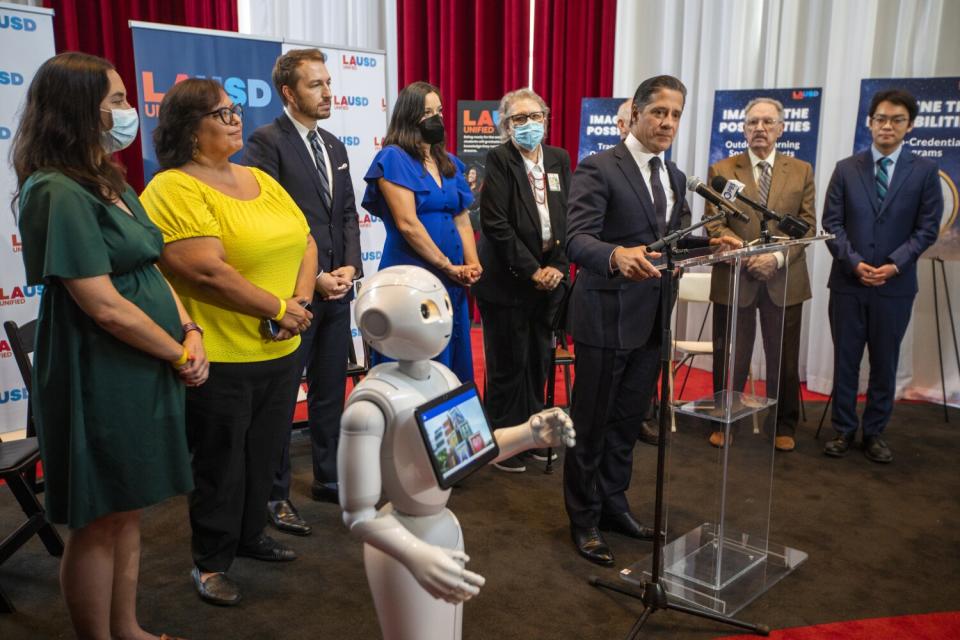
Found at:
[404, 313]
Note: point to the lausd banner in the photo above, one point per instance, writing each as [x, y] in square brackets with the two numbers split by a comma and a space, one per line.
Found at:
[478, 131]
[165, 55]
[935, 135]
[26, 41]
[358, 118]
[598, 125]
[800, 128]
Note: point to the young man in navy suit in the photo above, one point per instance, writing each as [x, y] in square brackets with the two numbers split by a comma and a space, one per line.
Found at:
[884, 207]
[312, 165]
[620, 201]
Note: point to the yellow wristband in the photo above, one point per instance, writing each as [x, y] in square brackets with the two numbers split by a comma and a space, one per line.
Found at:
[182, 360]
[283, 310]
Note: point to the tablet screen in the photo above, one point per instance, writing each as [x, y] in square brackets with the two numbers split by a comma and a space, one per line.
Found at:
[456, 433]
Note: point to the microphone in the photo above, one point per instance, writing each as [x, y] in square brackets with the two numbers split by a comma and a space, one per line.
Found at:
[696, 185]
[790, 224]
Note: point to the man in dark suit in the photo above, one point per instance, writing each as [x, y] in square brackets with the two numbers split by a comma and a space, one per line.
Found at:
[523, 217]
[312, 165]
[775, 284]
[621, 200]
[884, 207]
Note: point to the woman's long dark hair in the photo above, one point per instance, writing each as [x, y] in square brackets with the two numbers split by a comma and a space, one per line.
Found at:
[181, 110]
[60, 129]
[404, 130]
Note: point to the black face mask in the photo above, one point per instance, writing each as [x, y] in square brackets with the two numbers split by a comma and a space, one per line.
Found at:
[431, 129]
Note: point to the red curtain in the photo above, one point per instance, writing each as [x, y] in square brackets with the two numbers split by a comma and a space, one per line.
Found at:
[471, 49]
[100, 27]
[573, 59]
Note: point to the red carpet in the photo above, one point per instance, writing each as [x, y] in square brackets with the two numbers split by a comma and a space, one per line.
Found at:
[931, 626]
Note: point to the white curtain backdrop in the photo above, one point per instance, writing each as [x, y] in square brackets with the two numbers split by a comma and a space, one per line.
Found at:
[359, 24]
[833, 44]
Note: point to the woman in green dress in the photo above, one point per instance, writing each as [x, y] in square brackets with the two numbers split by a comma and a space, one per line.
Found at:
[115, 346]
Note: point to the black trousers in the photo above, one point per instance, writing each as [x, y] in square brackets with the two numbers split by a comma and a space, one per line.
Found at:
[611, 393]
[236, 423]
[323, 352]
[782, 359]
[516, 347]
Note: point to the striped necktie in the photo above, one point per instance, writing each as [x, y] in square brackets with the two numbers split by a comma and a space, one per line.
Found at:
[764, 181]
[883, 178]
[316, 146]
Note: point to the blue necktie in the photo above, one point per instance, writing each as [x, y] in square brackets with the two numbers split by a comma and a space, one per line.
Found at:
[316, 145]
[883, 178]
[659, 195]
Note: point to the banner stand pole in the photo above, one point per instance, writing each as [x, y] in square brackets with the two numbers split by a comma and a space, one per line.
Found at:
[953, 329]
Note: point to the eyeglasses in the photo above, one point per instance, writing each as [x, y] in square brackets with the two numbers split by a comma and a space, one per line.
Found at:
[226, 113]
[520, 119]
[753, 123]
[897, 121]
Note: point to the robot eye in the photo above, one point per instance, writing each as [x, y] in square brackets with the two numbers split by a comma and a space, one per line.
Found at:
[429, 309]
[446, 302]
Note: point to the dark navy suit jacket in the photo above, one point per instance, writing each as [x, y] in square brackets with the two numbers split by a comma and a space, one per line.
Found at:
[278, 149]
[609, 206]
[896, 232]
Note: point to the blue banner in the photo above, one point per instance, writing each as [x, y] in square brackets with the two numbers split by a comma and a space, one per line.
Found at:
[242, 65]
[801, 125]
[598, 125]
[935, 135]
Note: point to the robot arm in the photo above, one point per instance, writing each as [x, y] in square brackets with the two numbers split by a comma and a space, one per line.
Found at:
[439, 571]
[549, 428]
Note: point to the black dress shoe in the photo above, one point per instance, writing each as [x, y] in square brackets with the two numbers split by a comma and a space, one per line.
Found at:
[877, 450]
[591, 545]
[267, 549]
[218, 589]
[649, 433]
[326, 492]
[838, 447]
[626, 524]
[283, 515]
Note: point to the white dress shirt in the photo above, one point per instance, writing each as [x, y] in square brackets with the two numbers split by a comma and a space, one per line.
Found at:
[755, 161]
[304, 131]
[642, 157]
[536, 169]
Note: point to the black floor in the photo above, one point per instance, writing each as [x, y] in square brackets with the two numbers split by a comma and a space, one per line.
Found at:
[882, 541]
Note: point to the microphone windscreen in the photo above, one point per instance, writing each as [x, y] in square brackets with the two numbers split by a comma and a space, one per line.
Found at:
[718, 183]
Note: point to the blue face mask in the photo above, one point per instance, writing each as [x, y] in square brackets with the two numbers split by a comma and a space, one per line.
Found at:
[126, 124]
[528, 135]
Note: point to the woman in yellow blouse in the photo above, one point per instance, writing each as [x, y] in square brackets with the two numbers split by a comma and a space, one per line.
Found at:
[238, 251]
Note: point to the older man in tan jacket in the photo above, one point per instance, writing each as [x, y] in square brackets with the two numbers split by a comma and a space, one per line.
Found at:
[785, 185]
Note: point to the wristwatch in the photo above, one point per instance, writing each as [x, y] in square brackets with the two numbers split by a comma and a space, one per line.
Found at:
[192, 326]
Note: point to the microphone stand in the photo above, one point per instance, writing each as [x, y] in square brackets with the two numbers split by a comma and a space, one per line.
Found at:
[654, 595]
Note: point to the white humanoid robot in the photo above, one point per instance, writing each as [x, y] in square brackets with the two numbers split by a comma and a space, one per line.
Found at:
[413, 546]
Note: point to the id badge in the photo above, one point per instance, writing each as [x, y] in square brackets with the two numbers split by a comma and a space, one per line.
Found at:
[553, 180]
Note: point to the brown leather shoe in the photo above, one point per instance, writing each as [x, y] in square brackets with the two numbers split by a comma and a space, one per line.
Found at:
[717, 439]
[784, 443]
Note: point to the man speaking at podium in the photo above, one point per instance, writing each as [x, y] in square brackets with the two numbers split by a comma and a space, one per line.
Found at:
[621, 200]
[783, 184]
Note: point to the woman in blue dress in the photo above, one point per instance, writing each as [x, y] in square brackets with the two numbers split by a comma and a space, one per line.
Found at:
[420, 192]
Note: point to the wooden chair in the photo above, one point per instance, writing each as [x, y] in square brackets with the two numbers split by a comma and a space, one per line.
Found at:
[18, 464]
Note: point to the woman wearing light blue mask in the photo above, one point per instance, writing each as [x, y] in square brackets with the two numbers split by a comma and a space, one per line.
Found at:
[112, 338]
[523, 227]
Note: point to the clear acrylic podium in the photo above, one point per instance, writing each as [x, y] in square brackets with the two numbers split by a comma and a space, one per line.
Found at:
[718, 555]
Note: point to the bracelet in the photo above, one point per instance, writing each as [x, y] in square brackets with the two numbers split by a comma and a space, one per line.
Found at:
[320, 273]
[182, 360]
[283, 310]
[192, 326]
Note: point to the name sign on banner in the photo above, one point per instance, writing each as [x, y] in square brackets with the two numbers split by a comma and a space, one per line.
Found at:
[800, 127]
[26, 42]
[598, 125]
[478, 131]
[935, 135]
[166, 55]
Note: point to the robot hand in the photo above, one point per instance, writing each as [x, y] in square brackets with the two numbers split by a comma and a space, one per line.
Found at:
[442, 574]
[552, 427]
